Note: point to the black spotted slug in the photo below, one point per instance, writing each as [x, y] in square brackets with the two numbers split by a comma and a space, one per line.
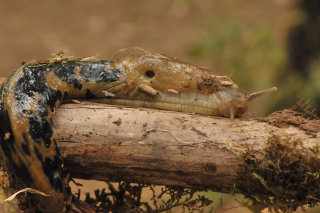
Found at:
[29, 98]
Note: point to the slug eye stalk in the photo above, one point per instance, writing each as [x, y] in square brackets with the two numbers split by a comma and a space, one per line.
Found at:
[254, 95]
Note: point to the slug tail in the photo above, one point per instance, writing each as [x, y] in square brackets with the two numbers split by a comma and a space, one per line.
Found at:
[254, 95]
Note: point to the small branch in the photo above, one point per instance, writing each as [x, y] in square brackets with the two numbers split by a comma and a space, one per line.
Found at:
[141, 145]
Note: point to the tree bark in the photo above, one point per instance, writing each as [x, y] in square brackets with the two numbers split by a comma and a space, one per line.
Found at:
[142, 145]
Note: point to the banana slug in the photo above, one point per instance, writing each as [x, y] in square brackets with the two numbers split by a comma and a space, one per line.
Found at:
[29, 98]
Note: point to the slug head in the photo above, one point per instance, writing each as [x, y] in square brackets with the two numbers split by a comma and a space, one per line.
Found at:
[162, 73]
[166, 83]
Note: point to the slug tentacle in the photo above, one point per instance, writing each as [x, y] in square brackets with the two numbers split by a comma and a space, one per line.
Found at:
[254, 95]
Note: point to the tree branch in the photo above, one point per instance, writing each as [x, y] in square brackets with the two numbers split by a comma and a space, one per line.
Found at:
[115, 143]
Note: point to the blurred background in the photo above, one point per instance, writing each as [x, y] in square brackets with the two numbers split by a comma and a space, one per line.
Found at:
[259, 44]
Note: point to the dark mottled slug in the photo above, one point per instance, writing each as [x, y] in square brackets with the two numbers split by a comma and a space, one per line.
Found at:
[134, 77]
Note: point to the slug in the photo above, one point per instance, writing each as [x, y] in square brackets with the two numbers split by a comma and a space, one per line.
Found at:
[29, 98]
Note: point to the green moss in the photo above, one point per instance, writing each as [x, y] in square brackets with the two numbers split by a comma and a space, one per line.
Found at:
[282, 177]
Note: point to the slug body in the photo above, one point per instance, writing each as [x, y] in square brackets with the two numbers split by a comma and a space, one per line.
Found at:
[29, 98]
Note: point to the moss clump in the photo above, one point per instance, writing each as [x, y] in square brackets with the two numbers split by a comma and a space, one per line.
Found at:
[282, 177]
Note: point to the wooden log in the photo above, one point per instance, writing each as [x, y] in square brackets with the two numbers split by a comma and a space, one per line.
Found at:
[142, 145]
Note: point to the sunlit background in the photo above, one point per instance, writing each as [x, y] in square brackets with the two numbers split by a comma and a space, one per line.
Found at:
[259, 44]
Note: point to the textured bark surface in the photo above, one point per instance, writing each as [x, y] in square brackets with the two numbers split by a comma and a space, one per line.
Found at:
[114, 143]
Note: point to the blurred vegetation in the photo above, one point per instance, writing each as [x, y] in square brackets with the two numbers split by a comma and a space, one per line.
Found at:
[303, 74]
[237, 49]
[248, 54]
